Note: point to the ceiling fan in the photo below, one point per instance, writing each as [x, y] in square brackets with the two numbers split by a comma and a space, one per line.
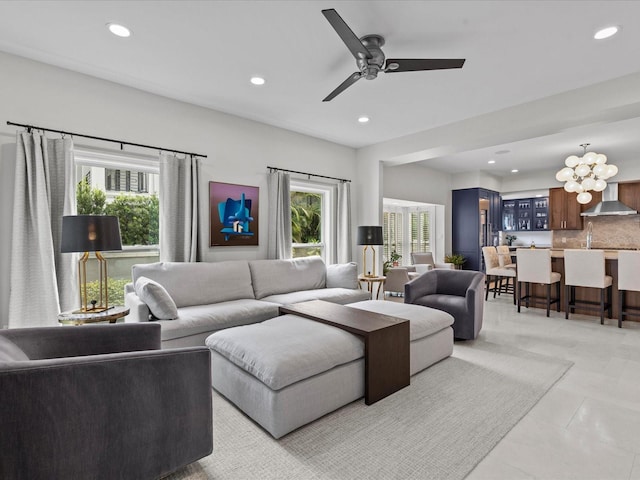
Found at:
[370, 58]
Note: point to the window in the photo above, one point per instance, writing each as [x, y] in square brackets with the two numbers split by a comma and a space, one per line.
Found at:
[407, 227]
[125, 185]
[310, 219]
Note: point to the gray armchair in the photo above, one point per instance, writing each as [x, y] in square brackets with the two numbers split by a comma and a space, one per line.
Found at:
[101, 402]
[457, 292]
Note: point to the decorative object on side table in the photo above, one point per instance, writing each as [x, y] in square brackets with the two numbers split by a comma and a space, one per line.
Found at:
[91, 233]
[369, 235]
[457, 259]
[510, 239]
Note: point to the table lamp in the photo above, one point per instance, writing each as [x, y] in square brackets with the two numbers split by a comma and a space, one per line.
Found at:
[91, 233]
[369, 236]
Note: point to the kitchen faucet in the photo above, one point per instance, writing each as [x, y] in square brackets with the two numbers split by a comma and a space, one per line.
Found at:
[589, 235]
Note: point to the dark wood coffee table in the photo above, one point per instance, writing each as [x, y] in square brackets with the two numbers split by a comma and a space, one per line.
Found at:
[386, 343]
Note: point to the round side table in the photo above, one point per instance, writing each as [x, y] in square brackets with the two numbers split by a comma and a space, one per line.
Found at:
[370, 281]
[80, 318]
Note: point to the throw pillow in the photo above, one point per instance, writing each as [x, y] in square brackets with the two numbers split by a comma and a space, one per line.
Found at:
[157, 298]
[342, 275]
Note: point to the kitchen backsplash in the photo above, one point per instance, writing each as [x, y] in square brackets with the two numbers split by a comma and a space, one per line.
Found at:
[608, 232]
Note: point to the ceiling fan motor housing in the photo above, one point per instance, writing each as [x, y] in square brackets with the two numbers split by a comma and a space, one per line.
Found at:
[371, 66]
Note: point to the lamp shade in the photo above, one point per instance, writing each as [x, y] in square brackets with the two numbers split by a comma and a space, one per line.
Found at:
[370, 235]
[90, 233]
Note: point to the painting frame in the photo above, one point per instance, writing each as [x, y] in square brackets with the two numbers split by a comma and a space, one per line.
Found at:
[233, 215]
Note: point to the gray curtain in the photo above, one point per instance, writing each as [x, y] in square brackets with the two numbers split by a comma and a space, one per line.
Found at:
[43, 280]
[179, 180]
[343, 243]
[279, 226]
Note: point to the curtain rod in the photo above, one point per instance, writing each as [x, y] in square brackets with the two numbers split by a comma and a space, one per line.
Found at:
[121, 142]
[308, 174]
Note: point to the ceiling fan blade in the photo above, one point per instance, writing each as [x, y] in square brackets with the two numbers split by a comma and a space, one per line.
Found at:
[353, 78]
[349, 38]
[418, 64]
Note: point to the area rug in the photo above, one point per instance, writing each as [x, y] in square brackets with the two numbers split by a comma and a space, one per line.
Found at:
[440, 427]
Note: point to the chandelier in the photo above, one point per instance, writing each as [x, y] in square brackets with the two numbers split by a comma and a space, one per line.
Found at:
[585, 173]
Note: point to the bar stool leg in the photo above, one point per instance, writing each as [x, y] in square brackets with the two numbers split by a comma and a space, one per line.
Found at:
[519, 295]
[548, 298]
[620, 307]
[567, 290]
[486, 288]
[610, 295]
[558, 296]
[527, 295]
[602, 306]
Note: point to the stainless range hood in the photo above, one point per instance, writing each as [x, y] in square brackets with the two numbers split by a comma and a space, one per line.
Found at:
[609, 204]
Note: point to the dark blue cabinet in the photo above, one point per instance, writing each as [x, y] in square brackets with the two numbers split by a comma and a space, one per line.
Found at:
[476, 221]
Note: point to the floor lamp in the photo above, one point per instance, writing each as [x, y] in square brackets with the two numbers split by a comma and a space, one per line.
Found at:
[369, 236]
[91, 233]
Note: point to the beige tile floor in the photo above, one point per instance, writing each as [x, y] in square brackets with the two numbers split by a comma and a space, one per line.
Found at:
[587, 426]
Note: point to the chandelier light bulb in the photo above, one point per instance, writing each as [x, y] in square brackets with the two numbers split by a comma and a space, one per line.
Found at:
[584, 197]
[611, 171]
[590, 158]
[600, 169]
[601, 158]
[583, 170]
[572, 161]
[588, 183]
[600, 185]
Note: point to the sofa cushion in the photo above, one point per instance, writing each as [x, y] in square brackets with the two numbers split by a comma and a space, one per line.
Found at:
[286, 349]
[271, 277]
[10, 352]
[333, 295]
[160, 303]
[199, 283]
[423, 321]
[342, 275]
[210, 318]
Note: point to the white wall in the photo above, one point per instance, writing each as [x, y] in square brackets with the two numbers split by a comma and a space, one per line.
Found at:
[420, 184]
[238, 150]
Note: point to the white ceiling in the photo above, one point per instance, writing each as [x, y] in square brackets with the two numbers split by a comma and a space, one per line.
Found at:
[203, 52]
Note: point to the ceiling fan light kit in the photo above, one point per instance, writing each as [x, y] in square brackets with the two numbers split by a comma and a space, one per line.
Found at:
[370, 58]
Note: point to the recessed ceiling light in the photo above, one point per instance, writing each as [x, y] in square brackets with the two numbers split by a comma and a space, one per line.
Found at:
[119, 30]
[606, 32]
[363, 119]
[539, 195]
[257, 80]
[515, 170]
[491, 161]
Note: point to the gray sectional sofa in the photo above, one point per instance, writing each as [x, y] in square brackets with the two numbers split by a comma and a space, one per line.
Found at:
[192, 300]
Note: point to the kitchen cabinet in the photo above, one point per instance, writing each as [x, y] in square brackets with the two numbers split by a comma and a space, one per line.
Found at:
[629, 194]
[476, 220]
[564, 209]
[525, 214]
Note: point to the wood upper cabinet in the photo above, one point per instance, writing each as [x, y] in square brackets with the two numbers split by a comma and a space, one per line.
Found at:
[564, 209]
[629, 194]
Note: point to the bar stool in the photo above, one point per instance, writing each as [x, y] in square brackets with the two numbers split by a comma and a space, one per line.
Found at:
[534, 266]
[628, 280]
[504, 255]
[585, 268]
[498, 273]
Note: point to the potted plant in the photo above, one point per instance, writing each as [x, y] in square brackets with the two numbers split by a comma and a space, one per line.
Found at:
[510, 239]
[392, 262]
[457, 260]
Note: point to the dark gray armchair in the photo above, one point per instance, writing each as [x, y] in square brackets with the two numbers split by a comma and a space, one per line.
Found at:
[457, 292]
[101, 402]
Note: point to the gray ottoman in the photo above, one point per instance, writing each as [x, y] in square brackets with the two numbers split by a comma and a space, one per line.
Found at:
[288, 371]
